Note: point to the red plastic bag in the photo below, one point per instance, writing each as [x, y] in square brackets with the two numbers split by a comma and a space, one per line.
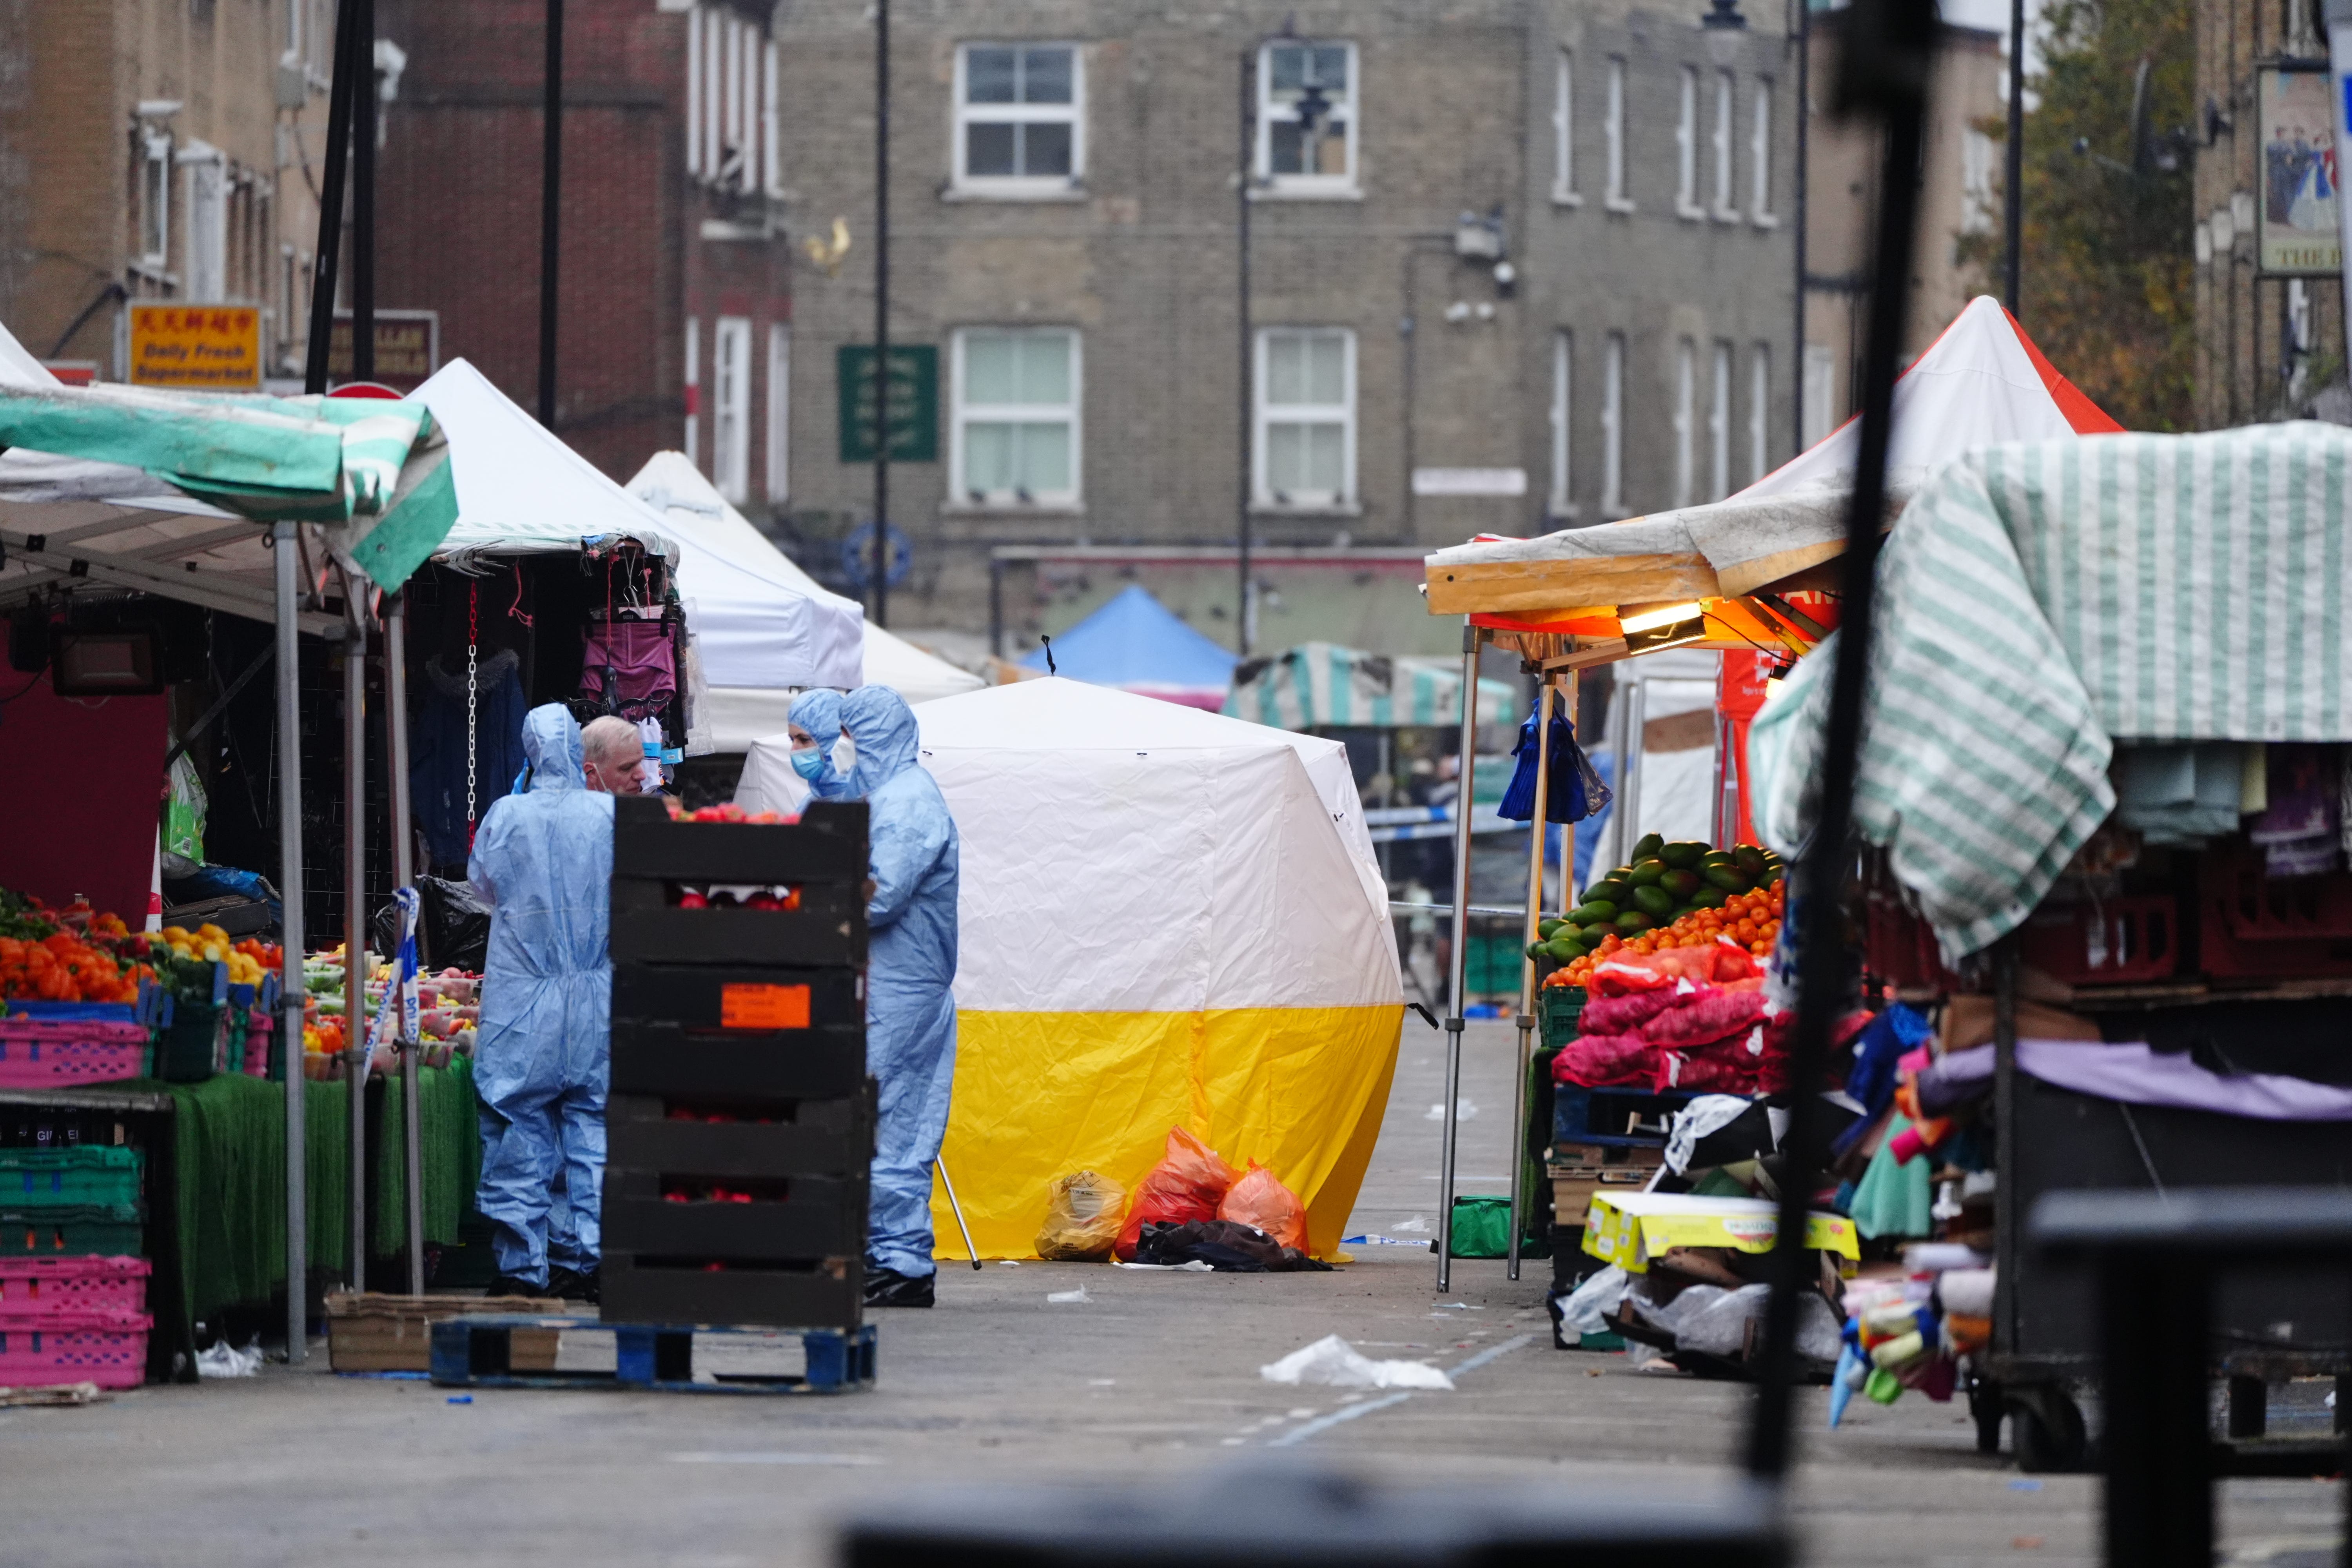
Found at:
[1187, 1185]
[1260, 1199]
[1716, 963]
[1605, 1061]
[1707, 1014]
[1727, 1066]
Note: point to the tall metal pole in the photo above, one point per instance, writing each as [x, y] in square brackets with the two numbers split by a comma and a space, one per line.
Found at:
[1244, 456]
[1536, 829]
[2012, 194]
[550, 206]
[403, 875]
[324, 262]
[882, 312]
[1471, 637]
[363, 113]
[355, 1048]
[289, 892]
[1800, 191]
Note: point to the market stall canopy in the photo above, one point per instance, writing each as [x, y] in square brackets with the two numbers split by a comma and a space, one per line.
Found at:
[1135, 643]
[1981, 381]
[1162, 924]
[671, 484]
[2040, 600]
[1321, 684]
[161, 491]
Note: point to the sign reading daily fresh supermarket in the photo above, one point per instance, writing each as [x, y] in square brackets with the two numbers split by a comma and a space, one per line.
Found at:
[196, 348]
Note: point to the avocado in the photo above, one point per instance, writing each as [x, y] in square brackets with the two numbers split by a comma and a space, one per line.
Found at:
[1772, 877]
[1655, 902]
[1750, 859]
[1544, 929]
[1708, 899]
[1647, 849]
[1730, 879]
[1682, 856]
[1681, 884]
[1538, 950]
[1647, 872]
[1715, 857]
[1632, 922]
[1567, 950]
[1593, 910]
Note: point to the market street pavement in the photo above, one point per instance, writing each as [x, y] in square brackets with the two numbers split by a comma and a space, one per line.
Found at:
[1153, 1374]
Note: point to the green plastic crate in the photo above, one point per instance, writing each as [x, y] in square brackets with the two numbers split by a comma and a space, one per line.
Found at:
[1558, 1008]
[102, 1232]
[97, 1178]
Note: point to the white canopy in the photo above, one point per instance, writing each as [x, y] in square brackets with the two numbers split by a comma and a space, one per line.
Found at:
[757, 634]
[672, 485]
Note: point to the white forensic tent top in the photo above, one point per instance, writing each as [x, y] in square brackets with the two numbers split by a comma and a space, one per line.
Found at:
[1167, 917]
[673, 486]
[521, 489]
[1980, 382]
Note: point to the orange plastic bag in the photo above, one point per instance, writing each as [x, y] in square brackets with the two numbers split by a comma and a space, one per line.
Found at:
[1187, 1185]
[1259, 1198]
[1081, 1216]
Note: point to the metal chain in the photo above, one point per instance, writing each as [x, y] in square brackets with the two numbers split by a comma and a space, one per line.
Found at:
[472, 700]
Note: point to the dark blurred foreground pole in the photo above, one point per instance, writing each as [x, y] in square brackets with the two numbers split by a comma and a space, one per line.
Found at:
[1883, 72]
[551, 205]
[325, 261]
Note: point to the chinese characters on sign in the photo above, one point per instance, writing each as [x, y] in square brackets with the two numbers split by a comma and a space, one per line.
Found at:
[914, 403]
[196, 348]
[2297, 225]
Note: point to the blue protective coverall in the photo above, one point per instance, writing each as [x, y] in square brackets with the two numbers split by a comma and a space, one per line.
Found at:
[544, 860]
[819, 713]
[910, 1019]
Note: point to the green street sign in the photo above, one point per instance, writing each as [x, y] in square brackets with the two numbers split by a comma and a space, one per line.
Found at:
[914, 406]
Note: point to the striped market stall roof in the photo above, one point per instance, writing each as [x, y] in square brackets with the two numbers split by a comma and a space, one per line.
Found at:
[1319, 684]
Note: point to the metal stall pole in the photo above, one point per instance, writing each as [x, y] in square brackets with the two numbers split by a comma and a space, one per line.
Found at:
[1629, 771]
[1527, 1019]
[1471, 637]
[289, 892]
[403, 874]
[356, 1044]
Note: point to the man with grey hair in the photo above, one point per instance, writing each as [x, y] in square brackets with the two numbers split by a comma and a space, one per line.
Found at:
[615, 756]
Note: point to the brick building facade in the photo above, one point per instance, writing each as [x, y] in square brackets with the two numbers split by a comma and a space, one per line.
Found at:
[1063, 236]
[158, 150]
[676, 274]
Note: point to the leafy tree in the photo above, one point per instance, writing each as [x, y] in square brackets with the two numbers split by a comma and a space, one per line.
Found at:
[2107, 272]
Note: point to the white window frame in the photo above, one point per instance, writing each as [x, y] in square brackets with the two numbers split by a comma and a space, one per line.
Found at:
[962, 414]
[730, 408]
[1613, 127]
[771, 122]
[1562, 500]
[1685, 422]
[693, 384]
[1020, 187]
[203, 271]
[1976, 185]
[1686, 146]
[1727, 184]
[1352, 113]
[779, 413]
[1759, 412]
[1719, 422]
[155, 202]
[1342, 414]
[1563, 130]
[1612, 426]
[1820, 390]
[1760, 157]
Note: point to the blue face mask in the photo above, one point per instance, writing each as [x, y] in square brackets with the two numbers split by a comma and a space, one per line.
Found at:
[810, 765]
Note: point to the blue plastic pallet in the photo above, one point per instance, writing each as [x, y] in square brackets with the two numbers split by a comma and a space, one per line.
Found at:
[477, 1352]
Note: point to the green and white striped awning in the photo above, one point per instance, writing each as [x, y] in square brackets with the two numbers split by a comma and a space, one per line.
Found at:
[161, 491]
[2038, 602]
[1318, 684]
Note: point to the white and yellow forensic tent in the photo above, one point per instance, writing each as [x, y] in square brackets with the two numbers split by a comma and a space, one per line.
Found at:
[1170, 918]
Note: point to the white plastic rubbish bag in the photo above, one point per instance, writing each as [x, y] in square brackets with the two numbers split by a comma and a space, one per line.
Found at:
[225, 1360]
[1587, 1309]
[1333, 1361]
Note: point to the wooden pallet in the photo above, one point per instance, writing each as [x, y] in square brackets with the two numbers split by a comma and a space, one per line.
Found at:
[517, 1351]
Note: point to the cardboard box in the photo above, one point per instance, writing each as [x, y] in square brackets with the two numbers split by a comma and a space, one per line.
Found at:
[1572, 1188]
[1629, 1228]
[381, 1333]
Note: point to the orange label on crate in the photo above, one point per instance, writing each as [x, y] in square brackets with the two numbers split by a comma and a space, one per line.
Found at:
[747, 1006]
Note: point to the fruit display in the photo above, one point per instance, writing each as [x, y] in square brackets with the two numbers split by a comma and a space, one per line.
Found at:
[248, 960]
[1669, 896]
[448, 1011]
[729, 812]
[75, 954]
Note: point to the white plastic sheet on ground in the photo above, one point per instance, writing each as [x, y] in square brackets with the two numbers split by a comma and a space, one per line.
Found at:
[1333, 1362]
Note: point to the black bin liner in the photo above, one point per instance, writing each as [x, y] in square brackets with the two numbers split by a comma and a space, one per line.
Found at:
[454, 930]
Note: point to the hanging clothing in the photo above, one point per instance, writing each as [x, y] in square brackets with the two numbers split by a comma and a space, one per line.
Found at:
[1570, 779]
[544, 861]
[629, 666]
[910, 1018]
[436, 770]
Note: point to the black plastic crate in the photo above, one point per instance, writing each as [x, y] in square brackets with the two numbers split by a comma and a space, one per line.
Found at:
[832, 1137]
[815, 1216]
[828, 1293]
[788, 1063]
[828, 846]
[828, 927]
[740, 998]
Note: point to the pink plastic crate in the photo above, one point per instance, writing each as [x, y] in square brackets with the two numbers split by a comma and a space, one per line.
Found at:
[109, 1349]
[46, 1287]
[42, 1053]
